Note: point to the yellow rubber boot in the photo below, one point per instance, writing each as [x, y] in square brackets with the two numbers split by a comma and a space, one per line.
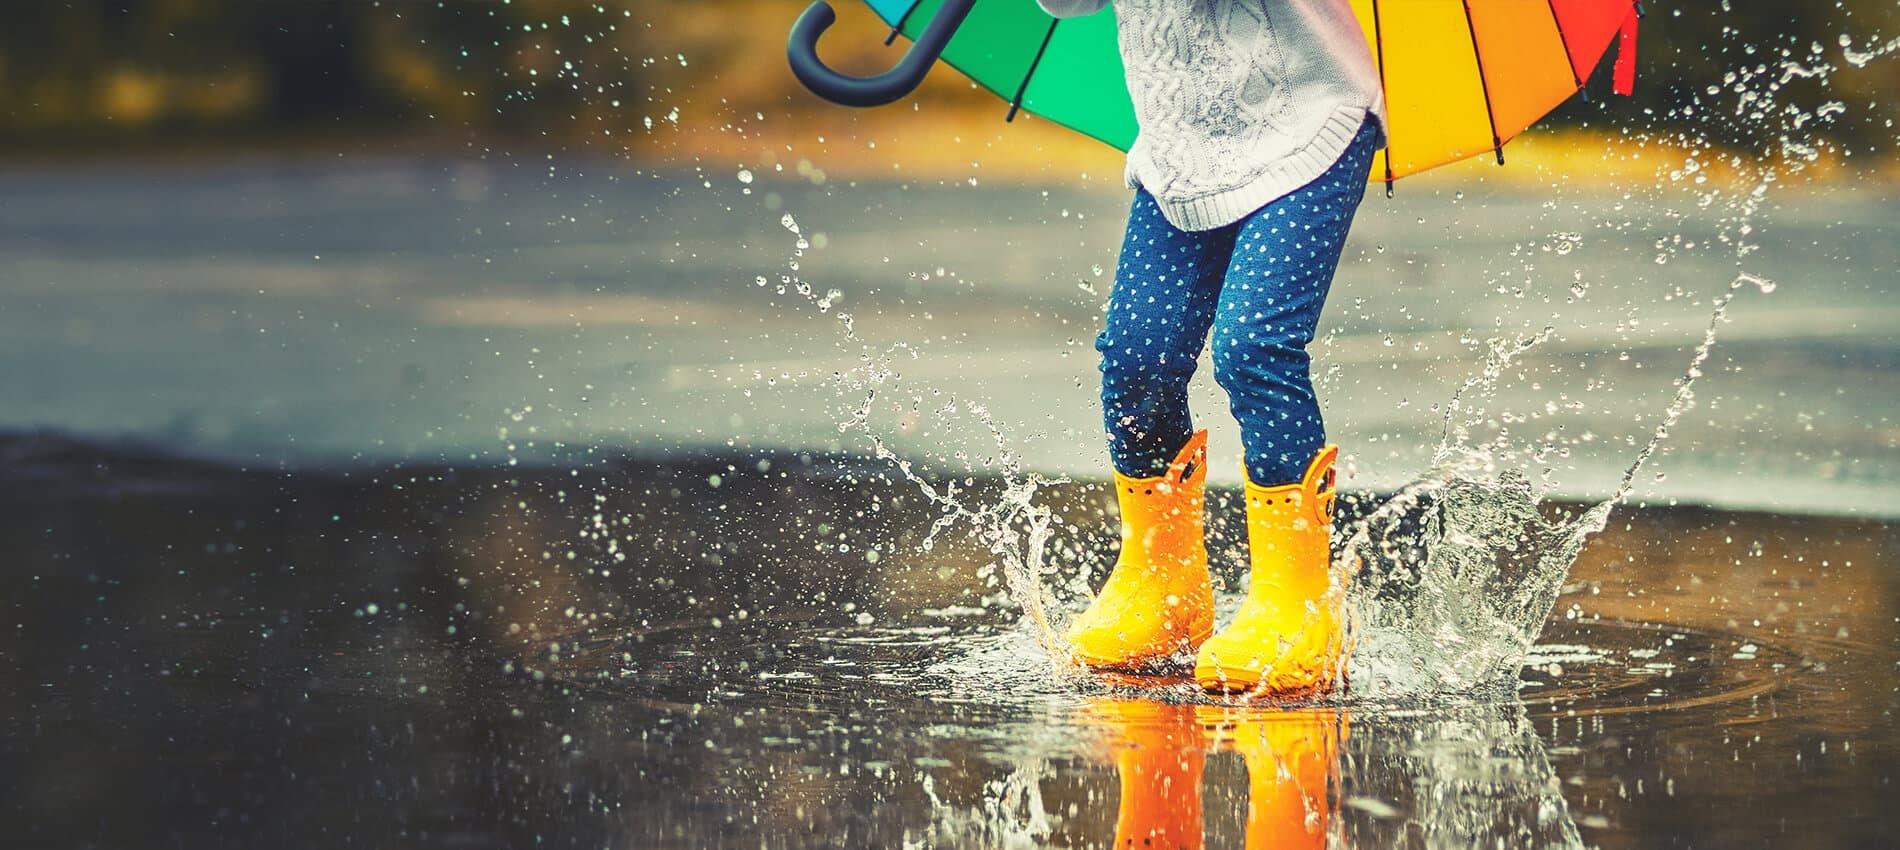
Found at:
[1159, 599]
[1287, 638]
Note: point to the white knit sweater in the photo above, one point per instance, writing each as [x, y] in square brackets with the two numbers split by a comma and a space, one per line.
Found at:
[1238, 101]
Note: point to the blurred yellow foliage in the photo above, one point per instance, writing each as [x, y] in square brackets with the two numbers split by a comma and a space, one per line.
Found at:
[136, 96]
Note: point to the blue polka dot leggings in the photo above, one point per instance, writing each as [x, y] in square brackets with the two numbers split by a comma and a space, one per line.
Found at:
[1258, 284]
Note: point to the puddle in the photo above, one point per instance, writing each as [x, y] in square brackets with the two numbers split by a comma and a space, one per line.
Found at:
[433, 656]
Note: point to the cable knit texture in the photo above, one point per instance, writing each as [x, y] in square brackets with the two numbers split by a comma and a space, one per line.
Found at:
[1239, 102]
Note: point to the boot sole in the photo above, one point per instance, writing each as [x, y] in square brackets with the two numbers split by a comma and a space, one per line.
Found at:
[1143, 664]
[1228, 685]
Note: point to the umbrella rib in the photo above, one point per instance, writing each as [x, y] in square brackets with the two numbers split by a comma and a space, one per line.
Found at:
[1564, 40]
[1378, 44]
[898, 28]
[1484, 85]
[1016, 103]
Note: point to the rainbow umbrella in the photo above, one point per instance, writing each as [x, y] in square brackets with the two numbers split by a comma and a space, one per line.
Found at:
[1461, 77]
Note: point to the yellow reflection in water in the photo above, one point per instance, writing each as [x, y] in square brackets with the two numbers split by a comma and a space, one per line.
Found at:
[1160, 749]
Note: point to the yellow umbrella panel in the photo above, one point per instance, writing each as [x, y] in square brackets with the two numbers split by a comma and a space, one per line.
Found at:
[1463, 78]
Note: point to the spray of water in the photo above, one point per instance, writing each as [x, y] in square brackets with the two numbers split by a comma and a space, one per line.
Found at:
[1450, 581]
[1012, 526]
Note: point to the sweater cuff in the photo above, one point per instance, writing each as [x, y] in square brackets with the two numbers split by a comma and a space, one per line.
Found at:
[1071, 8]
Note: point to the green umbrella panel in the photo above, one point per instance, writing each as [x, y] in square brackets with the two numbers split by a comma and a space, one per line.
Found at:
[1066, 70]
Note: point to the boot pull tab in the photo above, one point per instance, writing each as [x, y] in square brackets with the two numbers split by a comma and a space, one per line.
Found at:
[1321, 482]
[1192, 460]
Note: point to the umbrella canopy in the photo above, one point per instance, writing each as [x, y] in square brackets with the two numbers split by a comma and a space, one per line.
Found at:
[1461, 78]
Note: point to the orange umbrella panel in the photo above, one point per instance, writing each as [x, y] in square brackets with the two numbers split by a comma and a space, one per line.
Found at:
[1463, 78]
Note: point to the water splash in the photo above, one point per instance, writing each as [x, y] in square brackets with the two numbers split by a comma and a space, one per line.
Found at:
[1010, 813]
[1860, 58]
[1457, 430]
[1491, 782]
[1011, 525]
[1452, 579]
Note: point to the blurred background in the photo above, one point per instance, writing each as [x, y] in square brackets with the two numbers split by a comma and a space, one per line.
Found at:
[334, 232]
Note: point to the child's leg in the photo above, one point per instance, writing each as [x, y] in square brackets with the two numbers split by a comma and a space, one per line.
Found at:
[1166, 285]
[1287, 637]
[1159, 598]
[1282, 266]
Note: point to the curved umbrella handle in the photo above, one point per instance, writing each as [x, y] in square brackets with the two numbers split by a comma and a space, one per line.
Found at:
[802, 52]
